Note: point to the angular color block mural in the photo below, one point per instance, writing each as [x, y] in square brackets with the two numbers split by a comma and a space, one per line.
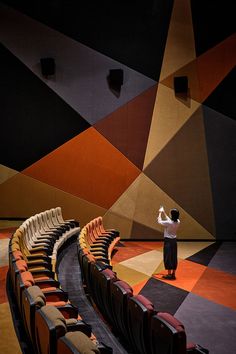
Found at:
[68, 140]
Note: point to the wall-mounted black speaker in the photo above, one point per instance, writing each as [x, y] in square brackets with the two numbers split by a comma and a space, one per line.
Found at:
[116, 77]
[181, 84]
[47, 66]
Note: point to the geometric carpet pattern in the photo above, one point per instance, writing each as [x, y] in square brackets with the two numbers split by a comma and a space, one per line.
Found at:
[68, 140]
[203, 296]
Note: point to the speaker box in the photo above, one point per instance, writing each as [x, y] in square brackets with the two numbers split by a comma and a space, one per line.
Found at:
[181, 84]
[47, 66]
[116, 77]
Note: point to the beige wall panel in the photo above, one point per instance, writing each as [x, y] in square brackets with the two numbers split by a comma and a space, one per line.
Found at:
[126, 204]
[10, 224]
[180, 46]
[169, 115]
[191, 71]
[149, 199]
[6, 173]
[143, 232]
[118, 222]
[23, 196]
[181, 170]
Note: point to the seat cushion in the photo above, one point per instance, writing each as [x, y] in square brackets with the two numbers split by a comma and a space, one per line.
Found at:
[54, 316]
[82, 343]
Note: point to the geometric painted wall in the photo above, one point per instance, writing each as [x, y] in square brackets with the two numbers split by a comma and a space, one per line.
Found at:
[69, 141]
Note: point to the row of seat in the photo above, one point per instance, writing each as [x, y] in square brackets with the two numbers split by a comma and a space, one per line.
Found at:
[53, 325]
[97, 241]
[132, 317]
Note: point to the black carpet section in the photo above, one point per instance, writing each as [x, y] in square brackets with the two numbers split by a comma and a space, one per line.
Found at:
[34, 119]
[70, 280]
[131, 32]
[205, 256]
[165, 297]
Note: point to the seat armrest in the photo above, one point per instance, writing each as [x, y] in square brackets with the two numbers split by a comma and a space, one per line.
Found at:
[196, 349]
[102, 259]
[81, 326]
[42, 272]
[39, 263]
[56, 295]
[47, 283]
[37, 256]
[40, 249]
[68, 311]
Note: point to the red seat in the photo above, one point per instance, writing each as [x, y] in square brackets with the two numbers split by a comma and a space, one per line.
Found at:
[167, 335]
[120, 291]
[140, 310]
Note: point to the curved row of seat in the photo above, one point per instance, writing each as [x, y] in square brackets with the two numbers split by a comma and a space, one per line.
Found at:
[132, 317]
[94, 240]
[52, 324]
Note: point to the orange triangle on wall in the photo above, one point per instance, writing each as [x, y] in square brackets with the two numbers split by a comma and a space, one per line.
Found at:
[87, 166]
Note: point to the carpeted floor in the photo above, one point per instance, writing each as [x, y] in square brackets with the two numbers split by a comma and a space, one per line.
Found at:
[8, 340]
[203, 296]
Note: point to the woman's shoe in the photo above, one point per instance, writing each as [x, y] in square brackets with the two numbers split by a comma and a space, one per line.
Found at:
[167, 277]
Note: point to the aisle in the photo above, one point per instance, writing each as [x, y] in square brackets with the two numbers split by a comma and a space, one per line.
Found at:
[70, 279]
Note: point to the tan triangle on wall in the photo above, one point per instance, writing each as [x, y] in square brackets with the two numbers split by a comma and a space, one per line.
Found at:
[169, 115]
[181, 170]
[121, 223]
[23, 196]
[180, 44]
[126, 204]
[148, 198]
[6, 173]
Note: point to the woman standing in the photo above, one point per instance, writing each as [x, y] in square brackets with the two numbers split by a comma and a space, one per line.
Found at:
[171, 225]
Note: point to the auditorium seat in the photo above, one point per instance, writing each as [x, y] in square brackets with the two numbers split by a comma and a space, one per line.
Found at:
[32, 299]
[50, 325]
[60, 219]
[119, 293]
[87, 260]
[21, 266]
[103, 230]
[167, 335]
[76, 343]
[101, 280]
[48, 286]
[140, 310]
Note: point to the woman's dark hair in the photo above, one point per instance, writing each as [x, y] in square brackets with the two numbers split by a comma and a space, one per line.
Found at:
[174, 214]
